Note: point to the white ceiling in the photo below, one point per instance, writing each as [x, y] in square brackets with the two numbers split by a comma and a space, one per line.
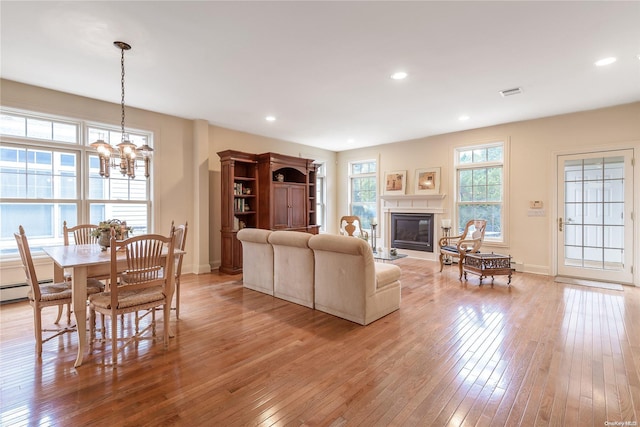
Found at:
[322, 68]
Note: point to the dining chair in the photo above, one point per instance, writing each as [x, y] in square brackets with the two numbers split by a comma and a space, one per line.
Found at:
[468, 242]
[47, 295]
[146, 283]
[180, 232]
[351, 225]
[81, 234]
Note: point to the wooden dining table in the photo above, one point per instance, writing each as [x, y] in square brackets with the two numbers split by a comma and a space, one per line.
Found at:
[87, 261]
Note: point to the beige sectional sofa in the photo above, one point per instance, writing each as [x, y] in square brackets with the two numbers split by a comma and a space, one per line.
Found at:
[333, 274]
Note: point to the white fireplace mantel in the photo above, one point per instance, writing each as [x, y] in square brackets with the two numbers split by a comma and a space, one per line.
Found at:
[413, 197]
[412, 203]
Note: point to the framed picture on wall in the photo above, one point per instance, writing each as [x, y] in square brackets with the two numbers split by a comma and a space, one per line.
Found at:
[395, 182]
[427, 181]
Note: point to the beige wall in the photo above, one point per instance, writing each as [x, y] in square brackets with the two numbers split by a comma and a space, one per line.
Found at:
[186, 168]
[186, 149]
[533, 146]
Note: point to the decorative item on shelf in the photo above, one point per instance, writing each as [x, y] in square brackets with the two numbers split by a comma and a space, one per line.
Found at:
[374, 224]
[279, 177]
[247, 191]
[427, 181]
[395, 182]
[103, 232]
[126, 150]
[393, 252]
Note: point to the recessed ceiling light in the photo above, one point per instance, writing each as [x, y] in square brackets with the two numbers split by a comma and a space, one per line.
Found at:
[399, 75]
[606, 61]
[350, 141]
[270, 118]
[463, 118]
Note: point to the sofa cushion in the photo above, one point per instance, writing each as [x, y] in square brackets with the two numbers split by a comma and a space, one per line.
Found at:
[386, 274]
[293, 267]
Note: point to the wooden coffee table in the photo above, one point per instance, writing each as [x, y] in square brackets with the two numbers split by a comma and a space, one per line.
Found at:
[488, 265]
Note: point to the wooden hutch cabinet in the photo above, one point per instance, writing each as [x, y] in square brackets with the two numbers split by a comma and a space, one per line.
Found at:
[270, 191]
[239, 204]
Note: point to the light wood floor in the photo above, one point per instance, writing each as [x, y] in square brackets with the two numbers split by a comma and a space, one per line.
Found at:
[540, 353]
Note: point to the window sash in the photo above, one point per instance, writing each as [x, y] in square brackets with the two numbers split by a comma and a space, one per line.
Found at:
[480, 188]
[54, 181]
[363, 191]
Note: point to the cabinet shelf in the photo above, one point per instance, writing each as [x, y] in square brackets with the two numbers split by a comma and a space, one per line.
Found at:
[277, 189]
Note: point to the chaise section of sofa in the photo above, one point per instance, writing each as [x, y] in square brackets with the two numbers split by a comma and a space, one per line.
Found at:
[349, 283]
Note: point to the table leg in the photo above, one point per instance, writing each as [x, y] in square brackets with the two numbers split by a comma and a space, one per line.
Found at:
[79, 291]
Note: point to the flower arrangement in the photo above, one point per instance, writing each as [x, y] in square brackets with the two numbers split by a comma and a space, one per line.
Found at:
[120, 227]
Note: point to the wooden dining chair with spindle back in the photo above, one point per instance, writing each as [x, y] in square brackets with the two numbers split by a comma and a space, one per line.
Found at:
[47, 295]
[146, 283]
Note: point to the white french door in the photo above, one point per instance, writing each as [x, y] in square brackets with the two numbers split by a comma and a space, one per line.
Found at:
[595, 229]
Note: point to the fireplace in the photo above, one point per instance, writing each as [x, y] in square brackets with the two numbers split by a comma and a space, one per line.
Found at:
[412, 231]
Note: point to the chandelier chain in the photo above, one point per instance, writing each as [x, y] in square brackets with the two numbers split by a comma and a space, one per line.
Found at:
[122, 85]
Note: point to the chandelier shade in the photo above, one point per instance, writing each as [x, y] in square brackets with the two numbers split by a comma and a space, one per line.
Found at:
[123, 156]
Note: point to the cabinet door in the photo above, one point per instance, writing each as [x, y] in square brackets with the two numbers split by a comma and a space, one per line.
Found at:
[280, 206]
[298, 203]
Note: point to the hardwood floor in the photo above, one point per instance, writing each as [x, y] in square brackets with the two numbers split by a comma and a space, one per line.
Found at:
[539, 353]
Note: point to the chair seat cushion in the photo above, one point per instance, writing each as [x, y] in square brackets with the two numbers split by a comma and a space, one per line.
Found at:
[128, 299]
[449, 248]
[52, 292]
[94, 286]
[58, 291]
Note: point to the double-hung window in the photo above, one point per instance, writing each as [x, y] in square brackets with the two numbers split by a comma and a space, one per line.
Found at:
[363, 190]
[480, 187]
[49, 174]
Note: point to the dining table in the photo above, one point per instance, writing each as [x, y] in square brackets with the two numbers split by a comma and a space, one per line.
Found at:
[88, 261]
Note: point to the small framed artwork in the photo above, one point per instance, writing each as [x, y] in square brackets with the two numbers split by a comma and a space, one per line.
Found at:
[427, 181]
[395, 182]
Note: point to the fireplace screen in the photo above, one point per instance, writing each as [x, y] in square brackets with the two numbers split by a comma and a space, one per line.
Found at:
[412, 231]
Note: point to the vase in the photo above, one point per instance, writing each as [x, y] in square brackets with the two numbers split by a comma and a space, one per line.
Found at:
[104, 240]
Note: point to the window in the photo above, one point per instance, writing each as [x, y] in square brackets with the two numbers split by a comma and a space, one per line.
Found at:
[363, 190]
[49, 174]
[321, 219]
[480, 179]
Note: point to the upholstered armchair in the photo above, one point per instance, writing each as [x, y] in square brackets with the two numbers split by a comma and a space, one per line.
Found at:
[293, 267]
[468, 242]
[350, 225]
[257, 259]
[349, 284]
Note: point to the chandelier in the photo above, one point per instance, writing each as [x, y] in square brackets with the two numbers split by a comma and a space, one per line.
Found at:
[123, 155]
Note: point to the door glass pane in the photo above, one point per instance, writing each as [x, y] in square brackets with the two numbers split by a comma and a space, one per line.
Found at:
[594, 212]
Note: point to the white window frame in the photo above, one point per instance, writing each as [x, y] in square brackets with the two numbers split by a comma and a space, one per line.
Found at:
[373, 206]
[503, 240]
[83, 151]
